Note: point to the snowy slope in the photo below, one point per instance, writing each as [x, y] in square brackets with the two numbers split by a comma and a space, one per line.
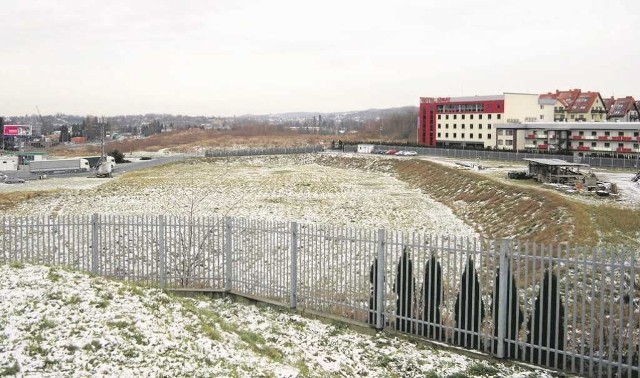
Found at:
[65, 323]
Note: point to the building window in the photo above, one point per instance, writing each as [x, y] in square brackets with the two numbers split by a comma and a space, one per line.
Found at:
[500, 142]
[620, 145]
[573, 116]
[488, 136]
[463, 126]
[541, 116]
[471, 126]
[489, 116]
[479, 116]
[439, 116]
[463, 116]
[462, 135]
[455, 135]
[500, 132]
[479, 136]
[635, 134]
[438, 135]
[635, 145]
[508, 132]
[489, 127]
[607, 133]
[479, 127]
[593, 133]
[439, 126]
[607, 145]
[470, 116]
[581, 133]
[446, 135]
[499, 115]
[509, 142]
[580, 144]
[455, 116]
[620, 133]
[541, 107]
[471, 136]
[593, 144]
[455, 125]
[446, 126]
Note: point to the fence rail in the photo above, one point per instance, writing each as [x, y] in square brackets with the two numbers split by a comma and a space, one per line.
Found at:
[226, 152]
[594, 161]
[573, 308]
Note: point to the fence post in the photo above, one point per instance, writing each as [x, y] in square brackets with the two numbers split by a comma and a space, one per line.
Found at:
[503, 306]
[227, 252]
[162, 253]
[380, 280]
[94, 244]
[294, 265]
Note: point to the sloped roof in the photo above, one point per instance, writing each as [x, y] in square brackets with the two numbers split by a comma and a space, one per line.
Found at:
[574, 100]
[608, 102]
[583, 102]
[621, 107]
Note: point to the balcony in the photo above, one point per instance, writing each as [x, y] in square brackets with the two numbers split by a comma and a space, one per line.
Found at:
[616, 138]
[531, 136]
[603, 138]
[543, 146]
[583, 148]
[623, 149]
[576, 137]
[627, 138]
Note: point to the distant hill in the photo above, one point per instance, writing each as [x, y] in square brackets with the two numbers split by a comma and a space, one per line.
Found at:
[359, 114]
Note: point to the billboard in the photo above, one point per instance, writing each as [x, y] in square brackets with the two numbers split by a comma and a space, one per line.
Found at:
[17, 130]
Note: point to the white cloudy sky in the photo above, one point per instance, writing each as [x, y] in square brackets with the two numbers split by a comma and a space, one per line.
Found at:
[225, 58]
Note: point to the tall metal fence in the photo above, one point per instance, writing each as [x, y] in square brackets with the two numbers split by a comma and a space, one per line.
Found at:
[471, 154]
[573, 308]
[225, 152]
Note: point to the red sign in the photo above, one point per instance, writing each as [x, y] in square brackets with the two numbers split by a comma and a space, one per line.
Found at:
[17, 130]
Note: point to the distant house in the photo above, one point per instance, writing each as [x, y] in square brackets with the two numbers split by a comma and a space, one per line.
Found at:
[574, 105]
[622, 110]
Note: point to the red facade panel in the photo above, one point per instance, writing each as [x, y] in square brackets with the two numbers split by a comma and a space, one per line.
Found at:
[431, 107]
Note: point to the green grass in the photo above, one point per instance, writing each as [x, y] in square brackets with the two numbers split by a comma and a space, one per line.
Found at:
[10, 370]
[16, 265]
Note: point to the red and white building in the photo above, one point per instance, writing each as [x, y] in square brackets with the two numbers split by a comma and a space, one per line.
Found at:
[470, 121]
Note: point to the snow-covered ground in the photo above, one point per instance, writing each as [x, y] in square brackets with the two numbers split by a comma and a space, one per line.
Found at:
[63, 323]
[271, 187]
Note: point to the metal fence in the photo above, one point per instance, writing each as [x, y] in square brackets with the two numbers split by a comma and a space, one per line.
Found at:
[225, 152]
[573, 308]
[594, 161]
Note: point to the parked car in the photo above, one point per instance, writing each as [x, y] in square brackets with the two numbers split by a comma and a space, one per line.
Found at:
[13, 180]
[407, 153]
[392, 152]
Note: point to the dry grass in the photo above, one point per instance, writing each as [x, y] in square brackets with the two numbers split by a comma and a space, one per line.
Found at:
[497, 209]
[501, 210]
[9, 200]
[189, 140]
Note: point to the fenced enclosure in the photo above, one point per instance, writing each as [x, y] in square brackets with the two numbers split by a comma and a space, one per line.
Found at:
[573, 308]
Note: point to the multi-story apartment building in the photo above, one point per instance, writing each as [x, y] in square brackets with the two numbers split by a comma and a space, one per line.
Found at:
[592, 138]
[567, 121]
[470, 121]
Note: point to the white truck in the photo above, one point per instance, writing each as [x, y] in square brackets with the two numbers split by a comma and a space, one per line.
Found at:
[60, 166]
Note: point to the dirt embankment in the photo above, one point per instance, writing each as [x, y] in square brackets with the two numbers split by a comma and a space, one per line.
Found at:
[499, 210]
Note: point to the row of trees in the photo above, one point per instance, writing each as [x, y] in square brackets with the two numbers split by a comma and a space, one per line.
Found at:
[545, 326]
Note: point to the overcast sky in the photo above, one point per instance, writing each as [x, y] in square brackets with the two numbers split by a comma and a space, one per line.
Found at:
[218, 58]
